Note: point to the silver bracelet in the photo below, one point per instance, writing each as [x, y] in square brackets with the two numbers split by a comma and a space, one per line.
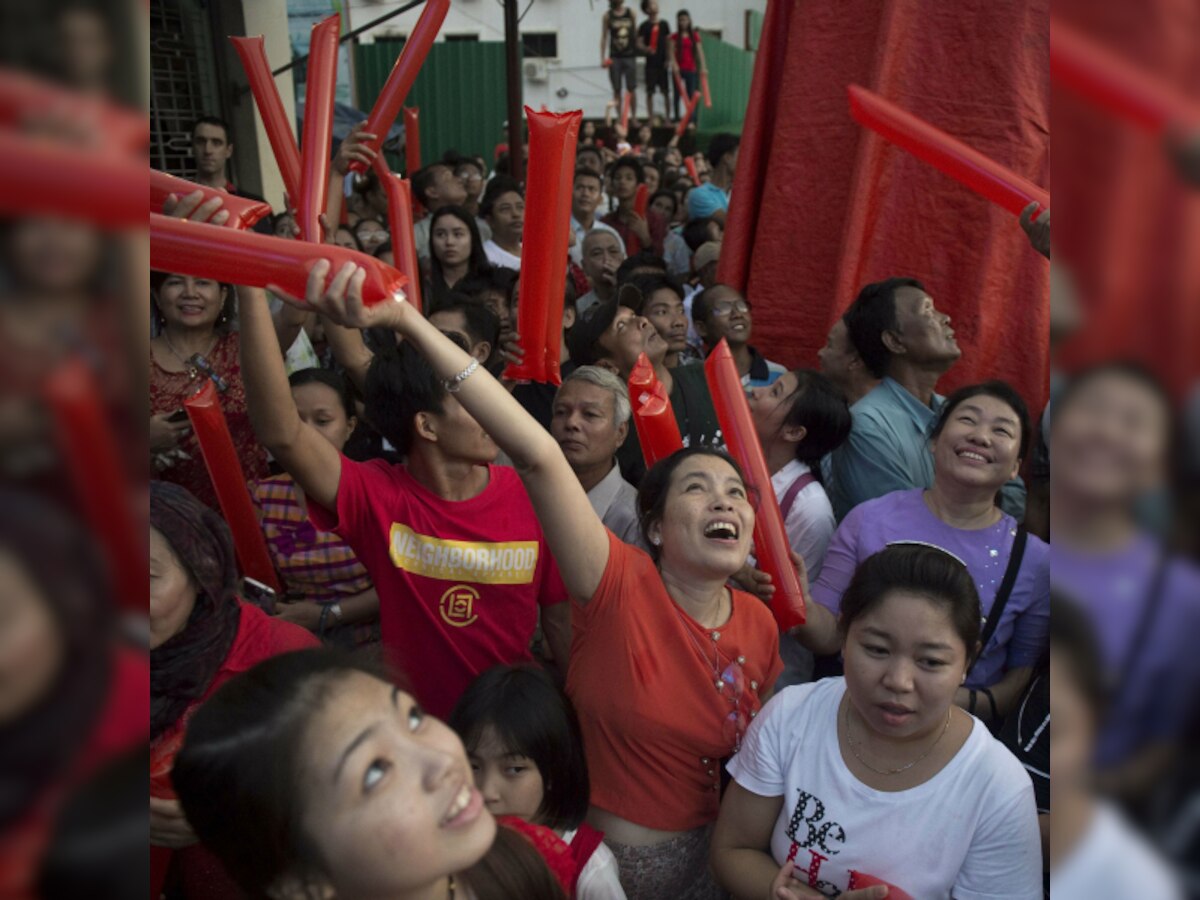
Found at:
[452, 385]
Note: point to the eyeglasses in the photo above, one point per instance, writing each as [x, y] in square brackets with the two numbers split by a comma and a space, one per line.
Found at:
[725, 307]
[198, 362]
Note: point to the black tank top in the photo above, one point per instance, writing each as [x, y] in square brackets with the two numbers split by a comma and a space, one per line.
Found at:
[621, 34]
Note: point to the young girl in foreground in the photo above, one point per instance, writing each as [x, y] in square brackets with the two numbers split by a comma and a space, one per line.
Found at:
[526, 750]
[309, 776]
[848, 784]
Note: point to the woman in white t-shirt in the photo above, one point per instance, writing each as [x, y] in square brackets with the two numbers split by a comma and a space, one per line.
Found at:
[877, 779]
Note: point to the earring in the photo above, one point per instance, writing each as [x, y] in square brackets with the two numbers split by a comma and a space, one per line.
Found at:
[656, 541]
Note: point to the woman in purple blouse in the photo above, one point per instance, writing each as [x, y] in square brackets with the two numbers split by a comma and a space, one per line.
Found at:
[978, 442]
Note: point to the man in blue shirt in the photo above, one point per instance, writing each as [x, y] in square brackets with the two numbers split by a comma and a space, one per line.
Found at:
[908, 343]
[711, 199]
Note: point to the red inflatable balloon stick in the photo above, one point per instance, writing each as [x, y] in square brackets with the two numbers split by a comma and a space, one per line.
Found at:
[1113, 84]
[404, 73]
[552, 139]
[39, 176]
[400, 223]
[554, 331]
[687, 114]
[412, 140]
[257, 260]
[316, 146]
[654, 38]
[101, 483]
[690, 165]
[770, 537]
[704, 90]
[862, 880]
[949, 155]
[641, 200]
[252, 52]
[641, 377]
[221, 460]
[25, 99]
[653, 417]
[243, 212]
[626, 102]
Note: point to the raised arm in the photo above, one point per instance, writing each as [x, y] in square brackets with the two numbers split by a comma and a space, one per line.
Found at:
[303, 453]
[576, 536]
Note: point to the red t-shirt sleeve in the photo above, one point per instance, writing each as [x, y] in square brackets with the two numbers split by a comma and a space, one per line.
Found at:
[356, 486]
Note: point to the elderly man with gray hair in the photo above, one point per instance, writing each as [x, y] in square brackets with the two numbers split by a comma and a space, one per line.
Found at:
[590, 422]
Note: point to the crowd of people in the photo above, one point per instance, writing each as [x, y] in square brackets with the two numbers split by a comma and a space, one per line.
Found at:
[552, 671]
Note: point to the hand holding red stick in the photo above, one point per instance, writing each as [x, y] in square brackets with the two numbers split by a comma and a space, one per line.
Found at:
[770, 537]
[404, 73]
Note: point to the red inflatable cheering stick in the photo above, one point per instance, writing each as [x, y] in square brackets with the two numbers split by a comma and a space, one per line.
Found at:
[653, 417]
[641, 200]
[412, 140]
[860, 880]
[704, 90]
[24, 99]
[404, 73]
[654, 38]
[221, 460]
[243, 213]
[626, 101]
[687, 115]
[949, 155]
[246, 257]
[690, 165]
[552, 139]
[1113, 84]
[318, 127]
[770, 537]
[253, 54]
[400, 222]
[100, 480]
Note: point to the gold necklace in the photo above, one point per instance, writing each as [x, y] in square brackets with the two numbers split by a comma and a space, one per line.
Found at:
[858, 756]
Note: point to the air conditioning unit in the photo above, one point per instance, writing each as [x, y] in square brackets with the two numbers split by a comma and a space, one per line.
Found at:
[535, 70]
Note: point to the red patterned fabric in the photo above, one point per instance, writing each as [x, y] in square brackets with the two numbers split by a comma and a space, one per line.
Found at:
[554, 850]
[168, 390]
[821, 206]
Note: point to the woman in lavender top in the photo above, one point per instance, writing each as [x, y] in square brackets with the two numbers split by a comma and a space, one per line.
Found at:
[1110, 445]
[978, 442]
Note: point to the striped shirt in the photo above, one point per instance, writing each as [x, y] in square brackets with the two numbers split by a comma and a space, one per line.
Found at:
[317, 566]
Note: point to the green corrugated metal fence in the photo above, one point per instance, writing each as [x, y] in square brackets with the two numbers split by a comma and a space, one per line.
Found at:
[730, 71]
[459, 90]
[461, 94]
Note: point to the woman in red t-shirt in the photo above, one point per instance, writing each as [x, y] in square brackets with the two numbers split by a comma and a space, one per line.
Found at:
[686, 54]
[201, 635]
[668, 665]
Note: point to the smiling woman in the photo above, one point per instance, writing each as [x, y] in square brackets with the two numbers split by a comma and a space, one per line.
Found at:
[195, 343]
[978, 442]
[366, 794]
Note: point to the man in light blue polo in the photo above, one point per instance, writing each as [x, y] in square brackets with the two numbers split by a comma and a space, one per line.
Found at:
[907, 342]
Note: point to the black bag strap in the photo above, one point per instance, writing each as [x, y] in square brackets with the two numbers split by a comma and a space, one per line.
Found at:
[1004, 591]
